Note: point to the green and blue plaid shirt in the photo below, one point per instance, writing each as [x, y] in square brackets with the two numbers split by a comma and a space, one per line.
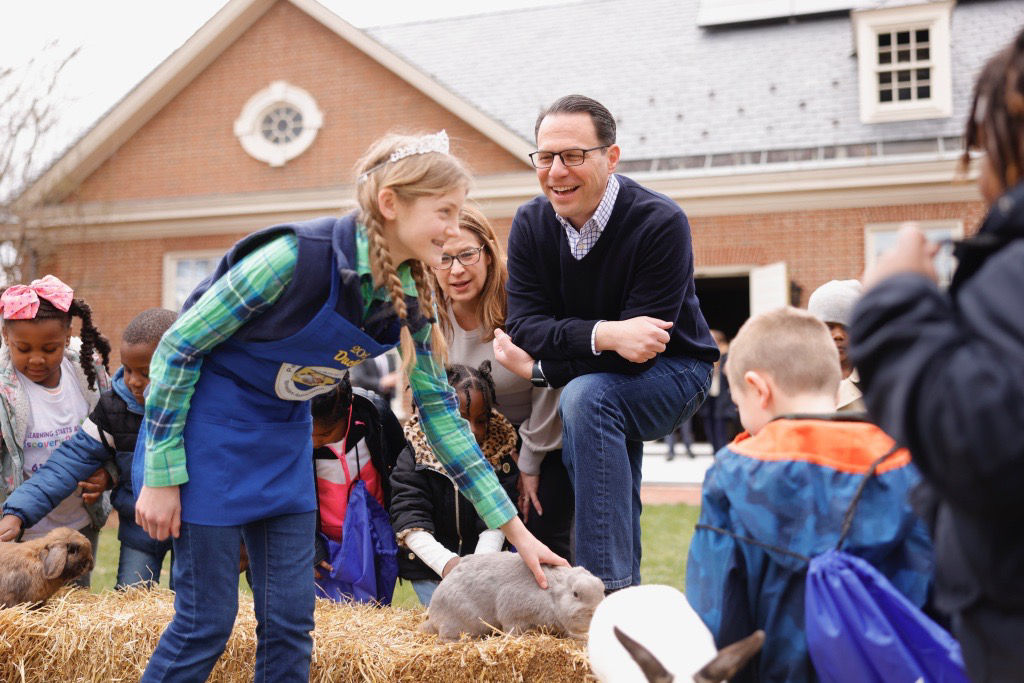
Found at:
[249, 288]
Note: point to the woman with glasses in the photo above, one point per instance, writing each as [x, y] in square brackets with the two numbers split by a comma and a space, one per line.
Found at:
[471, 288]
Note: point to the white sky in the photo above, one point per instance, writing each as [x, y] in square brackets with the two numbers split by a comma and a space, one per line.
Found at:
[121, 41]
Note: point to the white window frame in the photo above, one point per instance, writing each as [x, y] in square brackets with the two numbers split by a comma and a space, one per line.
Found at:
[171, 259]
[867, 24]
[247, 125]
[934, 229]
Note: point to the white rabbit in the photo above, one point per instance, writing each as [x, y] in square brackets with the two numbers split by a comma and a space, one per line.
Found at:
[648, 634]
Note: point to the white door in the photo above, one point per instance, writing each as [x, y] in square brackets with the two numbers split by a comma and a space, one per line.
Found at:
[769, 287]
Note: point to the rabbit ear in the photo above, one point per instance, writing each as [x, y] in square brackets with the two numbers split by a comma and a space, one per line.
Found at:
[731, 659]
[654, 671]
[55, 559]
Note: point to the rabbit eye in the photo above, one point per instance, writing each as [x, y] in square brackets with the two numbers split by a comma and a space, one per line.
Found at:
[576, 594]
[72, 549]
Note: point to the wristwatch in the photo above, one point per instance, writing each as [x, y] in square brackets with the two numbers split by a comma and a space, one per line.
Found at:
[537, 377]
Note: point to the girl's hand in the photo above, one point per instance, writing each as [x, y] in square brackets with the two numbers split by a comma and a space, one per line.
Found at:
[323, 565]
[533, 552]
[449, 566]
[93, 487]
[158, 511]
[10, 527]
[528, 486]
[515, 360]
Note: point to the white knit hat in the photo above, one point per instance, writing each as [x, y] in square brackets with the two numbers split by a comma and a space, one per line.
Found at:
[833, 302]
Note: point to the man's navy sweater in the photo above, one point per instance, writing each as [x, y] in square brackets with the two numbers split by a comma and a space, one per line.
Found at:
[641, 265]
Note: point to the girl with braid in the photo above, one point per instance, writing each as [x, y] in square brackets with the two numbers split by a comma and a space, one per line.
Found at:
[49, 383]
[943, 373]
[227, 447]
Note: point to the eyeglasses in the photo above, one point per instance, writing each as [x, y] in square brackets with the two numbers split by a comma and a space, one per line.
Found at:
[466, 258]
[569, 157]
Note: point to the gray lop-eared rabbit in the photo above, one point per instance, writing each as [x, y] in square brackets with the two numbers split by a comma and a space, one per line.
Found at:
[498, 591]
[34, 570]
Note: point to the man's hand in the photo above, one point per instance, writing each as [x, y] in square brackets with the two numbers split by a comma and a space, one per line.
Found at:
[528, 485]
[913, 253]
[10, 527]
[515, 360]
[93, 487]
[449, 566]
[636, 339]
[158, 511]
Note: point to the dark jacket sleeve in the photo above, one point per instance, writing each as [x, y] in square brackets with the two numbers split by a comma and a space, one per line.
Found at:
[73, 461]
[948, 381]
[411, 503]
[563, 343]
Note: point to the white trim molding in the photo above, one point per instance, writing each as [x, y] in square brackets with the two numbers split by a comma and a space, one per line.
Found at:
[279, 104]
[932, 63]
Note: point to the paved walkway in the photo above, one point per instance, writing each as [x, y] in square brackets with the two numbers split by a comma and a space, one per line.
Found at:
[674, 481]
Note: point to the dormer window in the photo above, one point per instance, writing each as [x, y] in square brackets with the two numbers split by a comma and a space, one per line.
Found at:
[903, 56]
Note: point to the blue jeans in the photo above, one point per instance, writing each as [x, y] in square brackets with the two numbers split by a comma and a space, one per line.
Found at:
[136, 566]
[606, 417]
[424, 589]
[205, 572]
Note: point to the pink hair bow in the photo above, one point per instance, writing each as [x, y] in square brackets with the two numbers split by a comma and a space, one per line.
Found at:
[21, 302]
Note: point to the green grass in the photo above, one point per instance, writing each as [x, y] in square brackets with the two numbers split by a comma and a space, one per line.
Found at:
[666, 537]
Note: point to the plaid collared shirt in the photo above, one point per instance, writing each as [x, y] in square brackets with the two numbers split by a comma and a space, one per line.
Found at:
[580, 242]
[245, 291]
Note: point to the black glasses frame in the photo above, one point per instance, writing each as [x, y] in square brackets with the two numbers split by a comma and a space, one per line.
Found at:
[533, 156]
[470, 260]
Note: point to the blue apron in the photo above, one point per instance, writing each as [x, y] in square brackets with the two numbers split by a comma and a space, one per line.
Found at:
[248, 434]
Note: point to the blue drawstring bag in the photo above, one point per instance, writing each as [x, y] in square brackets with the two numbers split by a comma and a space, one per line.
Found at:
[365, 563]
[860, 628]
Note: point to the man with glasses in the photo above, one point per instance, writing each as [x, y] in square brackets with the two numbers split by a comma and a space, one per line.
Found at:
[602, 303]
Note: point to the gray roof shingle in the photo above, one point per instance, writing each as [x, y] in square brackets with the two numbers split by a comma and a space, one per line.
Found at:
[679, 90]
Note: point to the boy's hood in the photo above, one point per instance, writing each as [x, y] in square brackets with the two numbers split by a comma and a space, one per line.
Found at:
[126, 395]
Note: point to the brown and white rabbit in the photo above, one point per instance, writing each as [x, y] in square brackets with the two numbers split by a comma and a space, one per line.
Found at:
[33, 571]
[498, 590]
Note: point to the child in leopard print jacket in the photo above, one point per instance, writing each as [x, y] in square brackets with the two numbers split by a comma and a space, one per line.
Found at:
[434, 523]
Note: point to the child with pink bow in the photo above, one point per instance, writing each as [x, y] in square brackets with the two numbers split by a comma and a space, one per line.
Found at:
[49, 383]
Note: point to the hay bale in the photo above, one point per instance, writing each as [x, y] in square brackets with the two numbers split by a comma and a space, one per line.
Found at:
[78, 636]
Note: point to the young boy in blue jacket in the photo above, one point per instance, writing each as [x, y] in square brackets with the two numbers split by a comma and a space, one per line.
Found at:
[780, 491]
[108, 435]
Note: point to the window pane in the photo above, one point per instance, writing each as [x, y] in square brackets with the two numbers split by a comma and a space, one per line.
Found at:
[885, 57]
[903, 76]
[903, 38]
[904, 94]
[921, 35]
[923, 53]
[923, 74]
[903, 55]
[885, 78]
[924, 92]
[885, 96]
[884, 39]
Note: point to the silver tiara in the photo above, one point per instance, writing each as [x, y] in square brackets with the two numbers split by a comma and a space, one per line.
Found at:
[435, 142]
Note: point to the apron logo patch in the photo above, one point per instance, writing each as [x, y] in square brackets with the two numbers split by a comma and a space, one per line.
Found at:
[303, 382]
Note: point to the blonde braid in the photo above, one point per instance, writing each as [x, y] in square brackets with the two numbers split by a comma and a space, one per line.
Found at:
[383, 270]
[429, 305]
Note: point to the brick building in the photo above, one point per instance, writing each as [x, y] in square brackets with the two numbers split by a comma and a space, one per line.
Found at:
[796, 135]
